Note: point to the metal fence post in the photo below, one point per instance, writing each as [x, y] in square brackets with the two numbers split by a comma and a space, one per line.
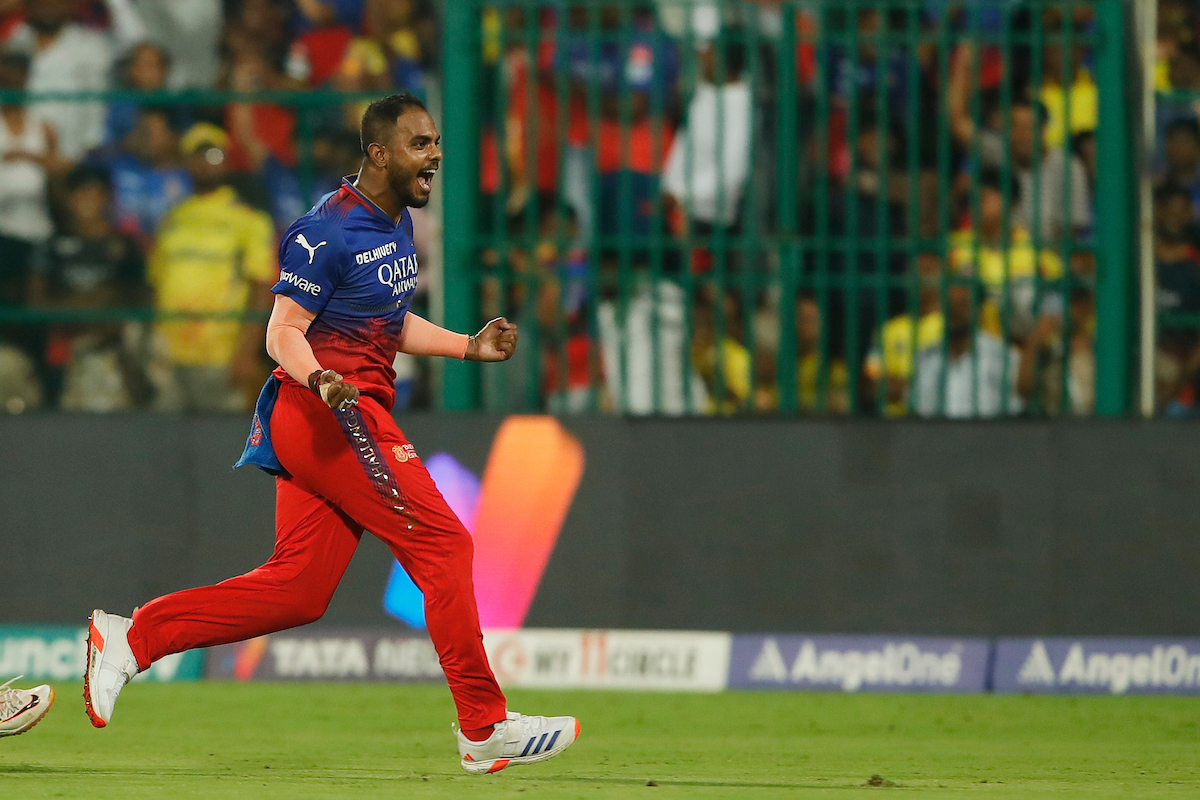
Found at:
[461, 45]
[1114, 216]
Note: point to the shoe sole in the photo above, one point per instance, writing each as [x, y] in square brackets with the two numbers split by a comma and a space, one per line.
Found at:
[37, 719]
[495, 765]
[93, 649]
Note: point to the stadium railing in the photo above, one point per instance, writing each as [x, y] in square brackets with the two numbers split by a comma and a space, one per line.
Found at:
[857, 223]
[623, 307]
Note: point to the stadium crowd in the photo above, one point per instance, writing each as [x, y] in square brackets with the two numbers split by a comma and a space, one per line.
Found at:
[135, 204]
[979, 300]
[631, 183]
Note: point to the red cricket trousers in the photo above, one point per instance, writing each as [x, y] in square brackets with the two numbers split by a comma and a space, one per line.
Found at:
[349, 471]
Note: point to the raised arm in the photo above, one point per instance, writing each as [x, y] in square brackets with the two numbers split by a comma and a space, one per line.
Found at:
[287, 344]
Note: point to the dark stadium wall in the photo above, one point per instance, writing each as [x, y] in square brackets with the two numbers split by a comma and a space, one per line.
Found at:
[1022, 528]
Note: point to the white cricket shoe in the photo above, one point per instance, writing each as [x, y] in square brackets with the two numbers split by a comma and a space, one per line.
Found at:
[21, 709]
[110, 665]
[518, 740]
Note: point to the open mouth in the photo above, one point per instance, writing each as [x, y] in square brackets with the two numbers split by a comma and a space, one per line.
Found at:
[425, 179]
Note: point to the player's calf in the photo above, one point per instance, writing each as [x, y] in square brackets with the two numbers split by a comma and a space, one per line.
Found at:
[110, 665]
[21, 709]
[518, 740]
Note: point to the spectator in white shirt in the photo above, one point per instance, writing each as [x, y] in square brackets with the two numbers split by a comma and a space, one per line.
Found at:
[190, 30]
[66, 57]
[973, 374]
[709, 162]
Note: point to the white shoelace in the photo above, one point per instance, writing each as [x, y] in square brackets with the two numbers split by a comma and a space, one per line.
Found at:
[11, 700]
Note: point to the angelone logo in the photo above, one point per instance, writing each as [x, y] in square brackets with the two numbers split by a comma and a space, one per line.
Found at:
[1101, 666]
[404, 452]
[899, 664]
[256, 434]
[515, 514]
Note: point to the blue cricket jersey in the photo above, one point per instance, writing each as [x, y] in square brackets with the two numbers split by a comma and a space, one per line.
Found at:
[352, 265]
[356, 269]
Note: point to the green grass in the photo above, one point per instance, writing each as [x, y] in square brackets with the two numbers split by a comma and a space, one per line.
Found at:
[217, 740]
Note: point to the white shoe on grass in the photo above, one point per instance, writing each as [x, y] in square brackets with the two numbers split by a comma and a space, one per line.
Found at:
[110, 665]
[518, 740]
[21, 709]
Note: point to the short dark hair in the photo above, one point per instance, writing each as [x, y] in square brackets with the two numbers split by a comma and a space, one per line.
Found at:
[87, 174]
[1189, 49]
[734, 44]
[990, 178]
[1188, 125]
[170, 114]
[381, 115]
[1171, 191]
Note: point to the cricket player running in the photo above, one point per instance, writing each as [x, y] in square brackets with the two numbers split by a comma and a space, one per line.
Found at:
[323, 426]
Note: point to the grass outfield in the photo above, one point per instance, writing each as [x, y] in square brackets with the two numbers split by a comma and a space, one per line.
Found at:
[217, 740]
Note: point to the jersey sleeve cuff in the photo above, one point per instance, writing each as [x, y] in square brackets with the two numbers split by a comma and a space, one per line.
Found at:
[301, 298]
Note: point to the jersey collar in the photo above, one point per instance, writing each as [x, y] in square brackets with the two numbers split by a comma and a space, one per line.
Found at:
[375, 209]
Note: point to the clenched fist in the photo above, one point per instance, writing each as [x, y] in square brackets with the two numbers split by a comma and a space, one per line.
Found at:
[496, 342]
[336, 393]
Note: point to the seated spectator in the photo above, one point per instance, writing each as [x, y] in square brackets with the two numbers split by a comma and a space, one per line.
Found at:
[28, 150]
[145, 70]
[20, 389]
[815, 391]
[1182, 151]
[899, 340]
[214, 255]
[718, 354]
[1183, 69]
[65, 57]
[709, 164]
[1177, 265]
[1006, 262]
[90, 265]
[974, 374]
[148, 176]
[28, 155]
[1080, 363]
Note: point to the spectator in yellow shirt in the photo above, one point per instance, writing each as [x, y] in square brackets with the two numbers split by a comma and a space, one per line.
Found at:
[727, 377]
[809, 398]
[214, 258]
[1075, 108]
[1008, 267]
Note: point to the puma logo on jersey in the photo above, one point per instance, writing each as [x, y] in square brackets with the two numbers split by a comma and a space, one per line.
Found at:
[312, 249]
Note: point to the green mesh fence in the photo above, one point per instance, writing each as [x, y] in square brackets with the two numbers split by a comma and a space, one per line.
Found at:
[861, 208]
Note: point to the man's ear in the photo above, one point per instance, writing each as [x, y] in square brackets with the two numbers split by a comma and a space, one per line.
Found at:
[378, 155]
